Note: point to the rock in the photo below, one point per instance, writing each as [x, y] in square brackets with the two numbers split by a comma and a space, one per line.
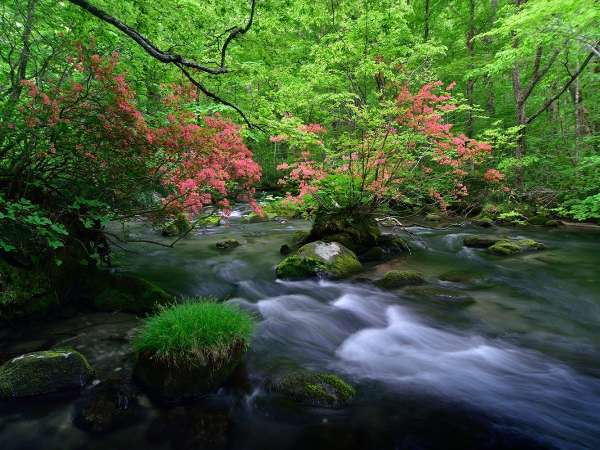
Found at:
[538, 220]
[459, 276]
[227, 244]
[44, 372]
[398, 278]
[392, 245]
[440, 295]
[373, 254]
[320, 259]
[108, 406]
[25, 292]
[210, 221]
[481, 241]
[315, 389]
[354, 229]
[255, 218]
[433, 217]
[553, 223]
[508, 247]
[285, 250]
[176, 227]
[169, 384]
[121, 292]
[484, 222]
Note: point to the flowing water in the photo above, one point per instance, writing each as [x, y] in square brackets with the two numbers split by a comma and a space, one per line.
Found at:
[519, 368]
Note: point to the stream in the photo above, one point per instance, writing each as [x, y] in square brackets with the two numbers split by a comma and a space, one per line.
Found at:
[518, 369]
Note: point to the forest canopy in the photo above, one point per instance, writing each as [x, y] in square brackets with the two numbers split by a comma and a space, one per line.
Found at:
[113, 110]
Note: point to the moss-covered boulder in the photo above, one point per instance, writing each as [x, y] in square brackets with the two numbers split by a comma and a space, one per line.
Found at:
[440, 296]
[227, 244]
[122, 292]
[484, 222]
[373, 254]
[209, 221]
[319, 259]
[399, 278]
[108, 406]
[315, 389]
[512, 247]
[354, 229]
[481, 241]
[44, 372]
[177, 226]
[538, 219]
[553, 223]
[432, 217]
[25, 292]
[188, 350]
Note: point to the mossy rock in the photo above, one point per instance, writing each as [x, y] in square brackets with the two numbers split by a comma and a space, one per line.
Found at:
[459, 276]
[25, 293]
[354, 229]
[176, 227]
[319, 259]
[538, 220]
[44, 372]
[392, 245]
[255, 218]
[121, 292]
[227, 244]
[440, 295]
[481, 241]
[320, 389]
[484, 222]
[210, 221]
[373, 254]
[399, 278]
[553, 223]
[508, 247]
[106, 407]
[432, 217]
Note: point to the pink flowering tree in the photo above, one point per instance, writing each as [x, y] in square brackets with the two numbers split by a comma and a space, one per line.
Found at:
[398, 150]
[80, 151]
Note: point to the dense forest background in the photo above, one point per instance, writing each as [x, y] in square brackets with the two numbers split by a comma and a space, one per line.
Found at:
[525, 78]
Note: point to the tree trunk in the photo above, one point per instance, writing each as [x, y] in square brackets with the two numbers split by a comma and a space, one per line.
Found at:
[426, 22]
[469, 126]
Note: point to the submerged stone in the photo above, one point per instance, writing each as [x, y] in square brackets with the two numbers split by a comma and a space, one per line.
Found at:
[440, 295]
[227, 244]
[122, 292]
[315, 389]
[398, 278]
[108, 406]
[459, 276]
[320, 259]
[44, 372]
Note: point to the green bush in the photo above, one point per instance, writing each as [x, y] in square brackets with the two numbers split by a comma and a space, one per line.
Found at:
[195, 332]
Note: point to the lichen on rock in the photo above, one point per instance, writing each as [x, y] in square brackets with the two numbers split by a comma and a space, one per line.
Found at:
[315, 389]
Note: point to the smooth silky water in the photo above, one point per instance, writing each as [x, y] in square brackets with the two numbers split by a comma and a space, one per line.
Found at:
[518, 369]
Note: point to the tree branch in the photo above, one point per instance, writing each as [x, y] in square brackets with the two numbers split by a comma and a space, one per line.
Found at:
[537, 73]
[549, 102]
[173, 58]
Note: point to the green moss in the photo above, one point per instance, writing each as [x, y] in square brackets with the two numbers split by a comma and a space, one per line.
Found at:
[297, 267]
[227, 244]
[431, 217]
[504, 248]
[211, 221]
[121, 292]
[481, 241]
[315, 389]
[484, 222]
[193, 333]
[538, 220]
[398, 278]
[552, 223]
[44, 373]
[530, 244]
[179, 225]
[25, 292]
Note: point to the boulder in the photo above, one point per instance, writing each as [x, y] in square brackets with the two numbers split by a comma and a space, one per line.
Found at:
[538, 220]
[431, 217]
[484, 222]
[399, 278]
[176, 227]
[107, 406]
[373, 254]
[512, 247]
[44, 372]
[481, 241]
[25, 292]
[174, 384]
[314, 389]
[319, 259]
[122, 292]
[227, 244]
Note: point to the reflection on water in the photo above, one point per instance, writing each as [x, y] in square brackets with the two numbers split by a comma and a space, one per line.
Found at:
[518, 369]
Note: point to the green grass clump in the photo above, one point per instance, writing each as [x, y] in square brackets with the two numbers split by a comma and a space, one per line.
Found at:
[195, 333]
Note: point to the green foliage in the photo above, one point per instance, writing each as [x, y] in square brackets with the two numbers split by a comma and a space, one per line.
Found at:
[200, 329]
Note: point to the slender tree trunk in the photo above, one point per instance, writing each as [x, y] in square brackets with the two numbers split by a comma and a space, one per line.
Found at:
[520, 114]
[426, 21]
[469, 126]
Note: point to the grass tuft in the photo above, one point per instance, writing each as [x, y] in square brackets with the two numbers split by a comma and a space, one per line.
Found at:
[198, 332]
